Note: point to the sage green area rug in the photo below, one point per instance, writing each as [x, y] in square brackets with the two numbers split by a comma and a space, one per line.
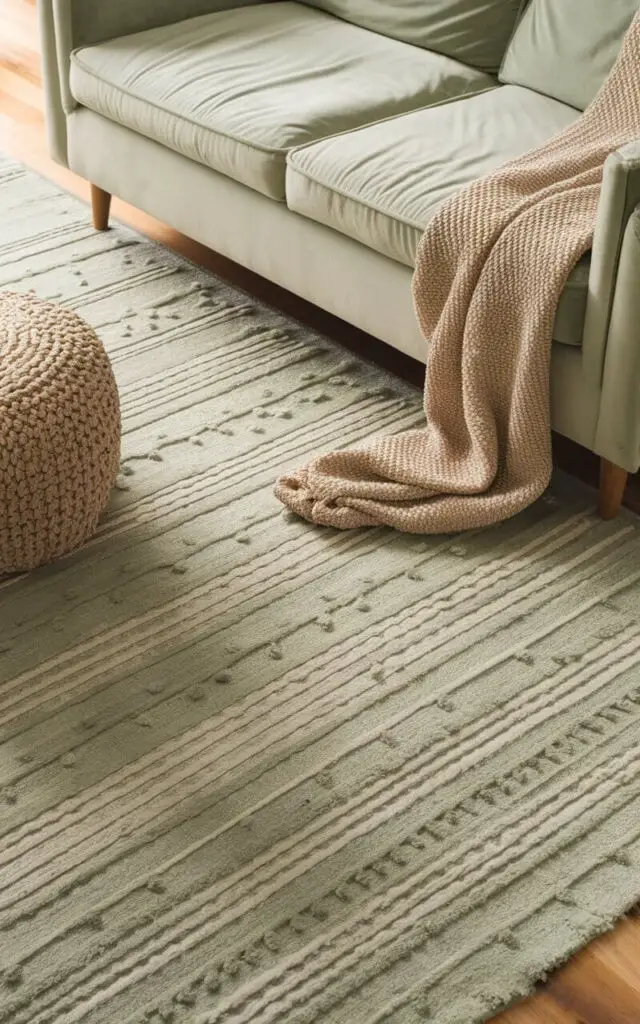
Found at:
[257, 771]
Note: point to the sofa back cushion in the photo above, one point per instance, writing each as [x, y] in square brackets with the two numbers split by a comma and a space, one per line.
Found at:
[94, 21]
[475, 32]
[566, 48]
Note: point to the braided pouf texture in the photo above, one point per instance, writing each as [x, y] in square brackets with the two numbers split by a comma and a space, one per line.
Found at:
[59, 431]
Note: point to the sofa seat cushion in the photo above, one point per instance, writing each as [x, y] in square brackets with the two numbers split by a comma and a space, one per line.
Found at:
[382, 184]
[235, 90]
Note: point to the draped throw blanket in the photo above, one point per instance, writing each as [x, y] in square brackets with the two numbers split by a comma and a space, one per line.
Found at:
[489, 273]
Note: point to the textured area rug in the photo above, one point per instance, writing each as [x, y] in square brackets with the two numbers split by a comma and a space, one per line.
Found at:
[255, 771]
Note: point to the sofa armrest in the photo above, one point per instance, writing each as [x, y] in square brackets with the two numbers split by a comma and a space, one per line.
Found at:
[68, 24]
[619, 198]
[618, 429]
[55, 118]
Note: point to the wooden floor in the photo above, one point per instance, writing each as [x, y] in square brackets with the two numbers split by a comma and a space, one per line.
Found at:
[602, 984]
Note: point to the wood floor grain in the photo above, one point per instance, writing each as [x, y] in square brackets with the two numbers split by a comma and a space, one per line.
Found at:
[602, 984]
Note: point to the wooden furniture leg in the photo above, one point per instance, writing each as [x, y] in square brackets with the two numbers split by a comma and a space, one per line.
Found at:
[613, 481]
[100, 203]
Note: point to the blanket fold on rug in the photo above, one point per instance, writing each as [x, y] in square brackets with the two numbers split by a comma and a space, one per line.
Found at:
[490, 270]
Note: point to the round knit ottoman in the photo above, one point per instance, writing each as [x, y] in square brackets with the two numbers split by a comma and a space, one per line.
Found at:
[59, 431]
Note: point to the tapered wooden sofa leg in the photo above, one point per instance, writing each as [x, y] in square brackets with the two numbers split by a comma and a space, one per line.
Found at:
[100, 204]
[613, 480]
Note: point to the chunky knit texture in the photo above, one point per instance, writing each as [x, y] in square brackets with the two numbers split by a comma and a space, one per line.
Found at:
[59, 431]
[490, 270]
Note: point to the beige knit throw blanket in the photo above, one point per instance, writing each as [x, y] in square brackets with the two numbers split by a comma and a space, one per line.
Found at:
[489, 273]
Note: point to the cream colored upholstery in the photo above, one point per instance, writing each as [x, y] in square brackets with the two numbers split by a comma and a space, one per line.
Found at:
[159, 163]
[382, 184]
[235, 90]
[340, 275]
[473, 31]
[566, 48]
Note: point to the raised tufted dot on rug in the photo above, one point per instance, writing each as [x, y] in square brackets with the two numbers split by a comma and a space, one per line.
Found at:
[59, 431]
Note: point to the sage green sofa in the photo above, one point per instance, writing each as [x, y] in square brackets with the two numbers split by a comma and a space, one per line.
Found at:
[313, 141]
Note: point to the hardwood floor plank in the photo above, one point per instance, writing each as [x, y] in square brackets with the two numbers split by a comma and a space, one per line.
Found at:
[540, 1009]
[19, 33]
[603, 984]
[620, 951]
[18, 111]
[21, 88]
[596, 994]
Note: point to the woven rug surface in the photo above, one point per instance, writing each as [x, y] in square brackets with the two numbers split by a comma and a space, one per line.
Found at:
[256, 771]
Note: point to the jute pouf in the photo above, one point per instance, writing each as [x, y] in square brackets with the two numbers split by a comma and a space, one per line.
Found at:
[59, 431]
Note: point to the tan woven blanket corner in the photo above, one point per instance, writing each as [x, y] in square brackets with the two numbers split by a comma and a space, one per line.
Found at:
[489, 273]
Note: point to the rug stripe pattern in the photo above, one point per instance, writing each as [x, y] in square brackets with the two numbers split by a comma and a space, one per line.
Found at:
[257, 772]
